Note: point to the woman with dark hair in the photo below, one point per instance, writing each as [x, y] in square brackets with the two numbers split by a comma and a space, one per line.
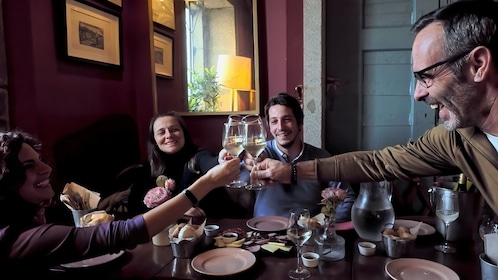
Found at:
[172, 153]
[27, 241]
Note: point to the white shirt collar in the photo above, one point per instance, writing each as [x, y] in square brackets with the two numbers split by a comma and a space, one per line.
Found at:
[285, 156]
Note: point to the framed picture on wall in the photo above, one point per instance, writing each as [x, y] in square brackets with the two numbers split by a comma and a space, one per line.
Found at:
[116, 2]
[163, 55]
[163, 13]
[92, 34]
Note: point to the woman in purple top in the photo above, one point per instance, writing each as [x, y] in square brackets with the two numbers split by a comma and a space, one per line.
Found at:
[29, 243]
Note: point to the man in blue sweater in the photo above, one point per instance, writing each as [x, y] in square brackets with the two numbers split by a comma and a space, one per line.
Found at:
[285, 121]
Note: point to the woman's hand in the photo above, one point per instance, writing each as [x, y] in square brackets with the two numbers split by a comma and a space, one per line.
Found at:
[223, 156]
[225, 172]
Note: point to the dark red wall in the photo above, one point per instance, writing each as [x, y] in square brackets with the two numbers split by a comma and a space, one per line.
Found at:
[50, 96]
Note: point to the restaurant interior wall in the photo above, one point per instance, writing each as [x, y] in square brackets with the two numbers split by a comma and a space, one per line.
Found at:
[51, 97]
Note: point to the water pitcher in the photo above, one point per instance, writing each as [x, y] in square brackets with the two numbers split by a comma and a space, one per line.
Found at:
[372, 210]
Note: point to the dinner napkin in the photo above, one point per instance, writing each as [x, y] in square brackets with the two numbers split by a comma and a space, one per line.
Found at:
[76, 197]
[320, 218]
[95, 218]
[491, 247]
[186, 231]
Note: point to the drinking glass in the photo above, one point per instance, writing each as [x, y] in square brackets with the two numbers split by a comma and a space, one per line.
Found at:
[254, 142]
[447, 211]
[488, 225]
[233, 134]
[299, 231]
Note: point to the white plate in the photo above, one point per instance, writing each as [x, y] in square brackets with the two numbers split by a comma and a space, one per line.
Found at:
[93, 261]
[223, 261]
[425, 229]
[268, 223]
[419, 269]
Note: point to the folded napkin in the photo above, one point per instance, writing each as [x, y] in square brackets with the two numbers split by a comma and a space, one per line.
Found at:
[186, 231]
[95, 218]
[76, 197]
[491, 247]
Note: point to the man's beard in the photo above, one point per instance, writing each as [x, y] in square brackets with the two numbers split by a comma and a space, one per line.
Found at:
[458, 97]
[288, 144]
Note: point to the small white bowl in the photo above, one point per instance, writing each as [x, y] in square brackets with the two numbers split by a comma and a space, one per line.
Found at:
[211, 230]
[366, 248]
[229, 237]
[310, 259]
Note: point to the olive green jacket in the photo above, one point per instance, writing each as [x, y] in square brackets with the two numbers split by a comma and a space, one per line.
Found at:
[437, 152]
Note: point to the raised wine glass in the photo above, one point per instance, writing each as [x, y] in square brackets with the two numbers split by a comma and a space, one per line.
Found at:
[447, 211]
[233, 134]
[254, 142]
[299, 231]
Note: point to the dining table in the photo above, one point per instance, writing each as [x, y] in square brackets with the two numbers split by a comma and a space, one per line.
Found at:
[148, 261]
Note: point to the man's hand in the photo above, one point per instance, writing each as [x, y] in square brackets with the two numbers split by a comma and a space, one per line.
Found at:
[271, 171]
[249, 160]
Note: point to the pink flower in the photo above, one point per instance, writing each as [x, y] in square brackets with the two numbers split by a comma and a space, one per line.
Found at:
[163, 181]
[334, 193]
[170, 184]
[156, 196]
[332, 197]
[161, 193]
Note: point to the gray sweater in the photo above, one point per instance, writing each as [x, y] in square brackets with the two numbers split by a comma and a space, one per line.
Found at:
[279, 199]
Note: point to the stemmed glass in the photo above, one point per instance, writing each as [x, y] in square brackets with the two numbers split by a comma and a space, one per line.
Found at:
[233, 134]
[299, 231]
[447, 211]
[254, 142]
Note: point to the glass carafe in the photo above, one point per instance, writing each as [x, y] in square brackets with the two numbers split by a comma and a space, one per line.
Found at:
[371, 211]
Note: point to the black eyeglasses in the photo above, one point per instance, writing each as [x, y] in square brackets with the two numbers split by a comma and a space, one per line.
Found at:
[425, 79]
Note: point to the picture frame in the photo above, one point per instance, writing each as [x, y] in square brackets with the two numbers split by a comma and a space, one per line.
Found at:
[116, 2]
[163, 55]
[163, 13]
[91, 34]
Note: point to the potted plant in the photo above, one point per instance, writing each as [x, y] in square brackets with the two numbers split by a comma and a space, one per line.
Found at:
[204, 90]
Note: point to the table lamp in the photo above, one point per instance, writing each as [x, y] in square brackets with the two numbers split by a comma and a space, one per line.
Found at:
[234, 73]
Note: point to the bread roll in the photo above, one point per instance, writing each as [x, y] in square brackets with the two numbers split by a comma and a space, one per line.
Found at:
[188, 231]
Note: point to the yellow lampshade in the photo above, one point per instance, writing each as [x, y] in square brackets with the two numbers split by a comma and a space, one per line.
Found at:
[234, 72]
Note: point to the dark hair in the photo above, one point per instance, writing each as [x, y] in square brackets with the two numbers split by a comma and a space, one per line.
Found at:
[12, 176]
[466, 25]
[287, 100]
[159, 161]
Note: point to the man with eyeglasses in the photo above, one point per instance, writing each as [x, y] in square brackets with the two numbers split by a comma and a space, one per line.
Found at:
[455, 62]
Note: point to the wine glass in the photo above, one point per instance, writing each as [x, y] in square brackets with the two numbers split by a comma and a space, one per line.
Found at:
[447, 211]
[254, 142]
[488, 225]
[233, 134]
[299, 231]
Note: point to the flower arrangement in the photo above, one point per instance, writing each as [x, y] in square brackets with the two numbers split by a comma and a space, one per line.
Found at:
[160, 193]
[332, 197]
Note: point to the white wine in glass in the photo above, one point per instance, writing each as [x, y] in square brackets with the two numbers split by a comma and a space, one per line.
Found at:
[299, 231]
[447, 210]
[254, 142]
[233, 134]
